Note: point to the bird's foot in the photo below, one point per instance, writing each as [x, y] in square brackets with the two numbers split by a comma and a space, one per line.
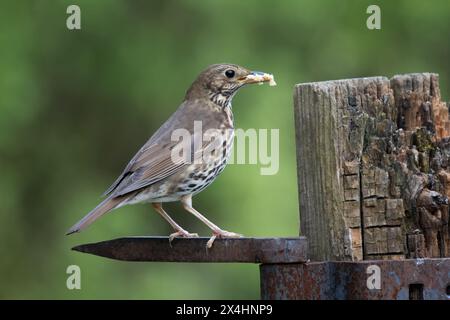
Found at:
[182, 234]
[222, 234]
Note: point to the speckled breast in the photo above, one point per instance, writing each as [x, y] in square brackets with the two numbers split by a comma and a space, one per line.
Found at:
[201, 175]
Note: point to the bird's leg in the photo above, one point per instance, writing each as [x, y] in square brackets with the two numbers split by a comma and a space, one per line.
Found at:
[180, 232]
[217, 232]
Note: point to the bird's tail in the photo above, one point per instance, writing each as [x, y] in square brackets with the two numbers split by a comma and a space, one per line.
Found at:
[105, 206]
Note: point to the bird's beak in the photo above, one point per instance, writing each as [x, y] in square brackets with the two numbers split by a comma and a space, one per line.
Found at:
[258, 77]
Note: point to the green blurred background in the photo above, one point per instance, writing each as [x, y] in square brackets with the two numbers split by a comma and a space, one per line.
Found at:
[76, 105]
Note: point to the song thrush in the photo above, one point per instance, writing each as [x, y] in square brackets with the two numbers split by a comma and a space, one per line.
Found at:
[160, 173]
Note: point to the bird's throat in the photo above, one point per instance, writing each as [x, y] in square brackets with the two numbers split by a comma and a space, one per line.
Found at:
[222, 99]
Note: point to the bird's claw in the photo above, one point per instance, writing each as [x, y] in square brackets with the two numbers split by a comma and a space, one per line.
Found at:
[210, 242]
[182, 234]
[221, 234]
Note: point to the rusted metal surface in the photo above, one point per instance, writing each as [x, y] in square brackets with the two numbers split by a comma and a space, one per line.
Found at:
[250, 250]
[399, 280]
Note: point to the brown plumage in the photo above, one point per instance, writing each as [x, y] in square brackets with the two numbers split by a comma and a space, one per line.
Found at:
[157, 174]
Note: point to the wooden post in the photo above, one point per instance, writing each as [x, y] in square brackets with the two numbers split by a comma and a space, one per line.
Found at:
[373, 163]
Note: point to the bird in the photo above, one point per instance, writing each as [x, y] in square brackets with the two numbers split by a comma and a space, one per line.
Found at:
[186, 154]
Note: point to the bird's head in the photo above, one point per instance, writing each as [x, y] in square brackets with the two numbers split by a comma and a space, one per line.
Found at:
[220, 82]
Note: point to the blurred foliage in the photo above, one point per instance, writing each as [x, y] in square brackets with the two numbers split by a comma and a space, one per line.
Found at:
[76, 105]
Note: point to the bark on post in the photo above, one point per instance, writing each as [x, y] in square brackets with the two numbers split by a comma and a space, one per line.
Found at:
[373, 163]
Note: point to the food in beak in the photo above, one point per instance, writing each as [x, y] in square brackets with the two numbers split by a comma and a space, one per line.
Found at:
[260, 78]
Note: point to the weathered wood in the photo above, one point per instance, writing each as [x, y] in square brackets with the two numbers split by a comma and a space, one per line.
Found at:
[373, 159]
[250, 250]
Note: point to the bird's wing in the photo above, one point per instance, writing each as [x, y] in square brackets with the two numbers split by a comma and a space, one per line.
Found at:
[153, 148]
[148, 149]
[161, 161]
[155, 160]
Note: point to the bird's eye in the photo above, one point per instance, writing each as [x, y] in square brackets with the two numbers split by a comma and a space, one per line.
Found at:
[229, 73]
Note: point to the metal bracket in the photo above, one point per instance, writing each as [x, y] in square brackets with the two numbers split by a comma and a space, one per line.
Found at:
[285, 271]
[249, 250]
[419, 279]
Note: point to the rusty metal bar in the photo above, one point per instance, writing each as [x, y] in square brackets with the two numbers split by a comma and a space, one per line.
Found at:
[426, 279]
[249, 250]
